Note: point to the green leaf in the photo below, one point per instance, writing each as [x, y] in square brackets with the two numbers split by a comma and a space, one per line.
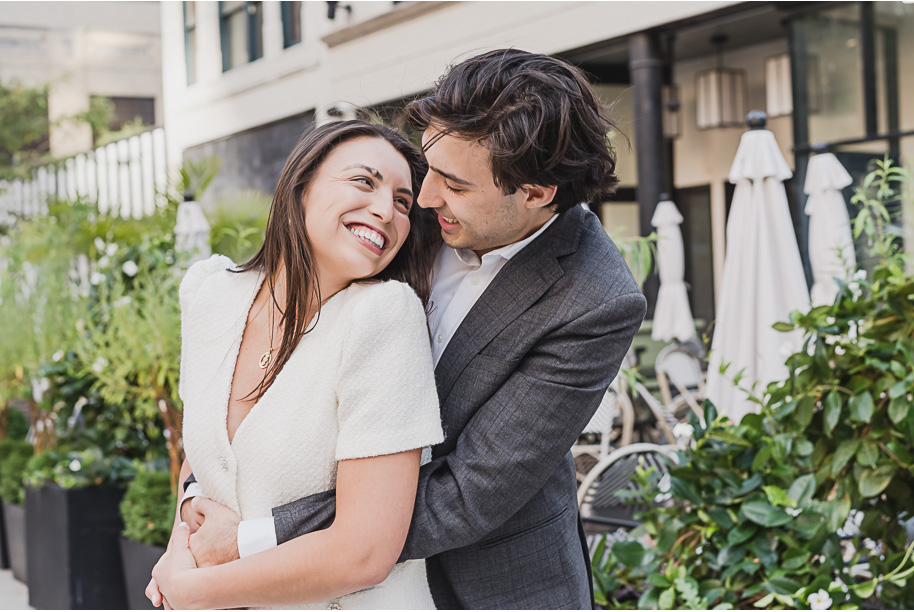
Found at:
[898, 389]
[805, 412]
[776, 495]
[685, 490]
[720, 517]
[897, 369]
[804, 448]
[761, 458]
[765, 601]
[794, 558]
[874, 481]
[802, 489]
[749, 485]
[898, 409]
[729, 555]
[764, 514]
[832, 411]
[629, 552]
[659, 580]
[741, 533]
[843, 454]
[784, 586]
[726, 436]
[868, 453]
[861, 407]
[667, 599]
[783, 327]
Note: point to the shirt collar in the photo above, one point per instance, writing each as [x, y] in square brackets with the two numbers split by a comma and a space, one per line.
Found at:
[506, 252]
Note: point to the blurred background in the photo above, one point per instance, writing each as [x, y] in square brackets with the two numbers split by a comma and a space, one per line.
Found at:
[136, 137]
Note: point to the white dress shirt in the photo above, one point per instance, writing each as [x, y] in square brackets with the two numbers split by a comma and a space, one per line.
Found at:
[459, 278]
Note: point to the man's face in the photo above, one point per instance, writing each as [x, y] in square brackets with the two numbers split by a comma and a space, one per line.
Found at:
[472, 211]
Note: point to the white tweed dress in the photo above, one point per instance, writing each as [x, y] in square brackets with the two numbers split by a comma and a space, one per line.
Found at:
[359, 384]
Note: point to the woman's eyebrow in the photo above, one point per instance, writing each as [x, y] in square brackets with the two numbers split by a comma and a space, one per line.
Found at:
[370, 170]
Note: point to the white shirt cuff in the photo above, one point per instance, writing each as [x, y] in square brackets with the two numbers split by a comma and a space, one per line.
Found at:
[256, 535]
[193, 490]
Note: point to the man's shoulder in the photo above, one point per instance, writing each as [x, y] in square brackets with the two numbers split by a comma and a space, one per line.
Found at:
[594, 263]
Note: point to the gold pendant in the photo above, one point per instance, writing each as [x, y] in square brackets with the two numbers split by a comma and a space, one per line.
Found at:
[265, 359]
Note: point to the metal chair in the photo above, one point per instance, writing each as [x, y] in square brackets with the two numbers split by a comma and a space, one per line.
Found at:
[679, 366]
[600, 507]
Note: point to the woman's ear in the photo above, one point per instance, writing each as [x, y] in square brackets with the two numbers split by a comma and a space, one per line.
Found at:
[539, 196]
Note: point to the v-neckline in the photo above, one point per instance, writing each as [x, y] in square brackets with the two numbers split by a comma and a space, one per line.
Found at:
[230, 440]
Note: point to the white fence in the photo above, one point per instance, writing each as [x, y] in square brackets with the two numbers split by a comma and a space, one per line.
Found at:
[126, 178]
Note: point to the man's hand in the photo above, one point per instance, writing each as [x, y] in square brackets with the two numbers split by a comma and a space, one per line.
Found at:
[216, 541]
[190, 515]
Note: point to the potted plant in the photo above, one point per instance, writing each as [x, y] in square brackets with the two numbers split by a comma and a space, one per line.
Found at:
[148, 510]
[13, 457]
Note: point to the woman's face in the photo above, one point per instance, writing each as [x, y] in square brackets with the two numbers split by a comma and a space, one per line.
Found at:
[357, 210]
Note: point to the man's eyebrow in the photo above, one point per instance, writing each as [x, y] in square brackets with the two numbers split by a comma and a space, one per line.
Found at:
[370, 170]
[451, 177]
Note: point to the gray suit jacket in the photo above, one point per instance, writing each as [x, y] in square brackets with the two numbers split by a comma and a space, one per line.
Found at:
[496, 510]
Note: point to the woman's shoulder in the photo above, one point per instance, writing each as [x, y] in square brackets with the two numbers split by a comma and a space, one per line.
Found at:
[198, 274]
[393, 296]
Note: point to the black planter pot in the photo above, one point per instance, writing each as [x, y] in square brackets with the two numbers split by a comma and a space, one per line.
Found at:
[4, 548]
[74, 558]
[14, 524]
[139, 559]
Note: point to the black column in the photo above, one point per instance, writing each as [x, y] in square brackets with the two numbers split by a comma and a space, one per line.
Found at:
[646, 66]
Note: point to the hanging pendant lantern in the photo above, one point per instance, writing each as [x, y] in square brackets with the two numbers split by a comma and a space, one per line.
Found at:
[720, 93]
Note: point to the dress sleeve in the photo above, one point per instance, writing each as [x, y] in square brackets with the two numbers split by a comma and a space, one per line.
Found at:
[190, 286]
[386, 391]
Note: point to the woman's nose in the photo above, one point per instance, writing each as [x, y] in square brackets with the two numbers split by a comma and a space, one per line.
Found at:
[382, 207]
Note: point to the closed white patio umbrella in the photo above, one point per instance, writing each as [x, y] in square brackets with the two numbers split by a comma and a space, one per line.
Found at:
[831, 246]
[763, 280]
[672, 314]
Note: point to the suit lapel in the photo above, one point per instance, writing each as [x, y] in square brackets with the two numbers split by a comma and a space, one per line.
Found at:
[523, 281]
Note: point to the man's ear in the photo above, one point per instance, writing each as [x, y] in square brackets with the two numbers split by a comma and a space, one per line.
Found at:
[539, 196]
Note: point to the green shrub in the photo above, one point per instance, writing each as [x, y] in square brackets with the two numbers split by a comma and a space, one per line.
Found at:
[14, 454]
[148, 508]
[17, 425]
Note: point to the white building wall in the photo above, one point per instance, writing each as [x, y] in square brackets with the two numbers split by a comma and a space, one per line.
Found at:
[80, 50]
[373, 55]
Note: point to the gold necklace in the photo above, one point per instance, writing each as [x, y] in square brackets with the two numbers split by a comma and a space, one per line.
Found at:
[268, 356]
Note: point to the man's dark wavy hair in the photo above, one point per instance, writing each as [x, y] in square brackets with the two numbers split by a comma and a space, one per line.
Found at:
[538, 117]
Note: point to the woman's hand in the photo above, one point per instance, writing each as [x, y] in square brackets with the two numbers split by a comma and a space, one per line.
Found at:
[172, 575]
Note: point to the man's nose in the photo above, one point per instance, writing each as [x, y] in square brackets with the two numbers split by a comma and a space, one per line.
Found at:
[428, 194]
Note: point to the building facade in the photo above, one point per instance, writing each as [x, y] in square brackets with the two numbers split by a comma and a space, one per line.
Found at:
[242, 80]
[80, 50]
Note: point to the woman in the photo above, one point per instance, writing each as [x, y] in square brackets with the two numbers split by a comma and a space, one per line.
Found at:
[314, 381]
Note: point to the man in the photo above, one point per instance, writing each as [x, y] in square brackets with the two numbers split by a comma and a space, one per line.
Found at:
[532, 311]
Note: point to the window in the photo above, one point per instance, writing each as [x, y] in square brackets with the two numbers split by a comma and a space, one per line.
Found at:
[291, 23]
[190, 41]
[240, 24]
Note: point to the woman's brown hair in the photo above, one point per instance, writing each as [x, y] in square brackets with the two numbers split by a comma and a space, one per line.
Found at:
[286, 243]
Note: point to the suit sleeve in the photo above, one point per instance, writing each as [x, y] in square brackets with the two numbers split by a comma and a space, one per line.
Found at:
[517, 439]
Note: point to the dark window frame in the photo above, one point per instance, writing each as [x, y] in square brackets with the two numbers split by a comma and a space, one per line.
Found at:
[288, 17]
[254, 30]
[190, 58]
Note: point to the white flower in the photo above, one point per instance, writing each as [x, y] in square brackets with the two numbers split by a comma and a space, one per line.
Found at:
[830, 320]
[99, 364]
[39, 387]
[104, 262]
[58, 355]
[664, 484]
[99, 244]
[75, 465]
[80, 324]
[683, 431]
[820, 600]
[861, 570]
[130, 268]
[859, 275]
[793, 511]
[97, 278]
[122, 301]
[839, 350]
[111, 249]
